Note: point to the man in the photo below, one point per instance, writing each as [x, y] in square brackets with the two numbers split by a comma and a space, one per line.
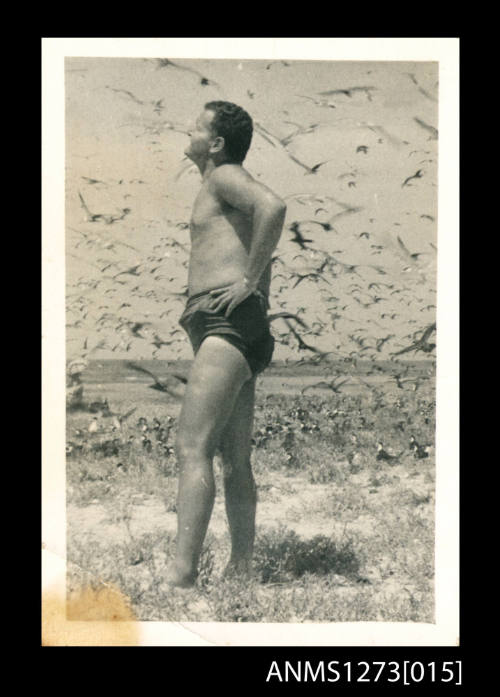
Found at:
[235, 226]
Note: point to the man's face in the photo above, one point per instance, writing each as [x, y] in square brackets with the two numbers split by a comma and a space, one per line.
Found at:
[201, 137]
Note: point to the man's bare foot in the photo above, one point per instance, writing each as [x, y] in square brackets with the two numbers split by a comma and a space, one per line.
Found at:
[178, 577]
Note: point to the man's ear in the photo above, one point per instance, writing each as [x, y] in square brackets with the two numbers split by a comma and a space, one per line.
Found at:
[217, 144]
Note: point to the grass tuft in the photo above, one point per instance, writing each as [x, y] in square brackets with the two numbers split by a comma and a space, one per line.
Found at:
[281, 556]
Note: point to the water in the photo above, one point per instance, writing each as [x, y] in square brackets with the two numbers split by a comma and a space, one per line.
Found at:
[278, 378]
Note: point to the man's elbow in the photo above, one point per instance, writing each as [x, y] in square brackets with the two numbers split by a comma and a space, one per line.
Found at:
[272, 207]
[279, 208]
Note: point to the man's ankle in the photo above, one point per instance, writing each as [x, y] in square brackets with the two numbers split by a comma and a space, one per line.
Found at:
[181, 574]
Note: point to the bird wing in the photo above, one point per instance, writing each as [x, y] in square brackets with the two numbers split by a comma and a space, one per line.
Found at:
[181, 378]
[265, 134]
[330, 93]
[317, 384]
[405, 250]
[84, 205]
[124, 417]
[434, 132]
[308, 346]
[407, 180]
[301, 241]
[299, 280]
[428, 332]
[287, 315]
[140, 369]
[124, 244]
[302, 343]
[301, 164]
[129, 94]
[184, 169]
[405, 350]
[131, 270]
[164, 62]
[319, 164]
[157, 340]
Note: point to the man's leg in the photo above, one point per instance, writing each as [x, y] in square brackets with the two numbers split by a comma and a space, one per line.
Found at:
[218, 373]
[240, 491]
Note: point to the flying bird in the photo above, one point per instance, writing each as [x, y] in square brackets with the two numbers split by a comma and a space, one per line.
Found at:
[166, 62]
[158, 106]
[413, 256]
[417, 175]
[107, 218]
[159, 342]
[381, 342]
[189, 166]
[299, 238]
[126, 92]
[132, 271]
[430, 129]
[301, 130]
[135, 328]
[298, 162]
[347, 210]
[182, 294]
[119, 419]
[161, 385]
[287, 315]
[270, 137]
[310, 170]
[325, 226]
[421, 89]
[285, 63]
[422, 344]
[348, 92]
[312, 274]
[302, 344]
[318, 102]
[93, 181]
[380, 130]
[332, 385]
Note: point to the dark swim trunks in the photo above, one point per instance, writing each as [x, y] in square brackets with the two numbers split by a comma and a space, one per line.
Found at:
[246, 328]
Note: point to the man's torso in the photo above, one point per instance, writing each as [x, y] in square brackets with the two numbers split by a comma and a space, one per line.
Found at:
[220, 244]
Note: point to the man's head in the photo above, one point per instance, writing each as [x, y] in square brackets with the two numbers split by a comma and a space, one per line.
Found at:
[222, 128]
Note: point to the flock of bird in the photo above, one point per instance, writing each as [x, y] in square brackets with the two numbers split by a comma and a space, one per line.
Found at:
[125, 299]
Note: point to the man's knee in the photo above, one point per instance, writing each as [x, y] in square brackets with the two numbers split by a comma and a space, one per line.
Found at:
[191, 447]
[236, 469]
[234, 454]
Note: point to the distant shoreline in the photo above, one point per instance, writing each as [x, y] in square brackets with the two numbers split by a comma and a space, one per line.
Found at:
[112, 369]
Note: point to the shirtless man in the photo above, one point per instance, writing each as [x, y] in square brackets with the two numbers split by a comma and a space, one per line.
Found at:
[235, 226]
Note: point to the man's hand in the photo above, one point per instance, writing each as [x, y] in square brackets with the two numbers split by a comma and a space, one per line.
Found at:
[230, 297]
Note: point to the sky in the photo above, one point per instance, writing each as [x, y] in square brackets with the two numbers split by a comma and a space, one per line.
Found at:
[369, 209]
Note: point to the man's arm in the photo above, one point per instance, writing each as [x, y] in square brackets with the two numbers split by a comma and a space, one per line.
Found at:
[267, 211]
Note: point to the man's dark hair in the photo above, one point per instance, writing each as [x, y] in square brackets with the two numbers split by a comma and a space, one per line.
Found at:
[232, 123]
